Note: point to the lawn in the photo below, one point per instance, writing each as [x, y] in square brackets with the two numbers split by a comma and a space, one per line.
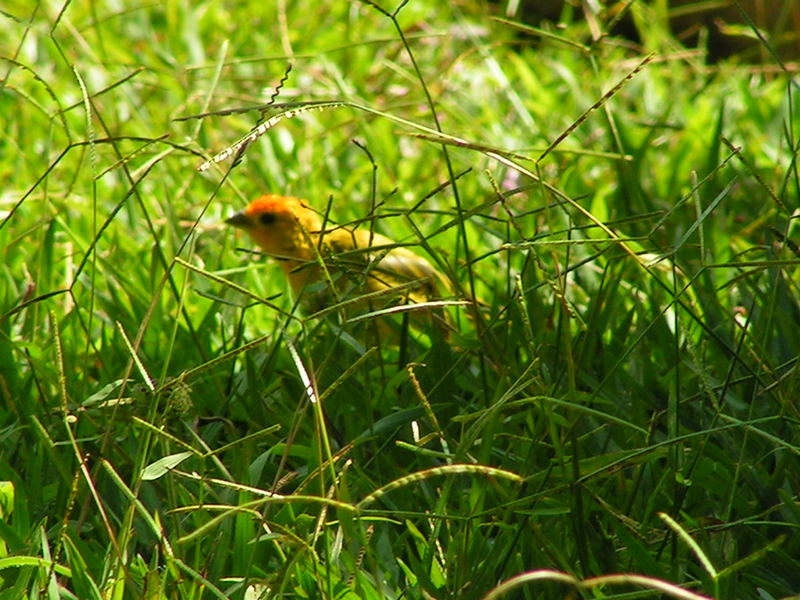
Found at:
[612, 204]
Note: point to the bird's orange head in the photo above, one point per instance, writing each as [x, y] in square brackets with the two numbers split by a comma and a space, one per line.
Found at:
[280, 225]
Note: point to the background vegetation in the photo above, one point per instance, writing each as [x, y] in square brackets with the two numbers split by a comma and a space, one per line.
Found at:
[619, 213]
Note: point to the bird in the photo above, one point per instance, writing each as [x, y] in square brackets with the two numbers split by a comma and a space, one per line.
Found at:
[357, 270]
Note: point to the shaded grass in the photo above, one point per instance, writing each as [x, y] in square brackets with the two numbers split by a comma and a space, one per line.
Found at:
[632, 350]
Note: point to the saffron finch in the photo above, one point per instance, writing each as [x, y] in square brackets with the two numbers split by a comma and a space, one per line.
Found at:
[361, 269]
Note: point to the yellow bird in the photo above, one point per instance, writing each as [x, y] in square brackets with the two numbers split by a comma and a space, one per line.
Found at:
[361, 269]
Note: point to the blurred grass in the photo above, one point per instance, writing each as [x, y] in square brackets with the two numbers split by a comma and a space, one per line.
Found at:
[634, 350]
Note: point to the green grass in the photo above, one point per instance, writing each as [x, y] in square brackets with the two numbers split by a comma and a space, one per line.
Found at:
[620, 396]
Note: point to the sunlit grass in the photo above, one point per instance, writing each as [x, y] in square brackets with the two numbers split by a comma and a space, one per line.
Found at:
[617, 225]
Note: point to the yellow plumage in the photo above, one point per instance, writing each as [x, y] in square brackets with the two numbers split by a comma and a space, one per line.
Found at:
[356, 262]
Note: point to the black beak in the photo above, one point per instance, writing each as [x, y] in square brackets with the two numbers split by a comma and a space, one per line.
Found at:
[238, 219]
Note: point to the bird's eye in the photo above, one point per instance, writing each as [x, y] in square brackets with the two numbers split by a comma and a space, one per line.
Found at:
[266, 218]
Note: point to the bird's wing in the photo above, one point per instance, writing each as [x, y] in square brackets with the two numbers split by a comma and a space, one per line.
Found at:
[386, 264]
